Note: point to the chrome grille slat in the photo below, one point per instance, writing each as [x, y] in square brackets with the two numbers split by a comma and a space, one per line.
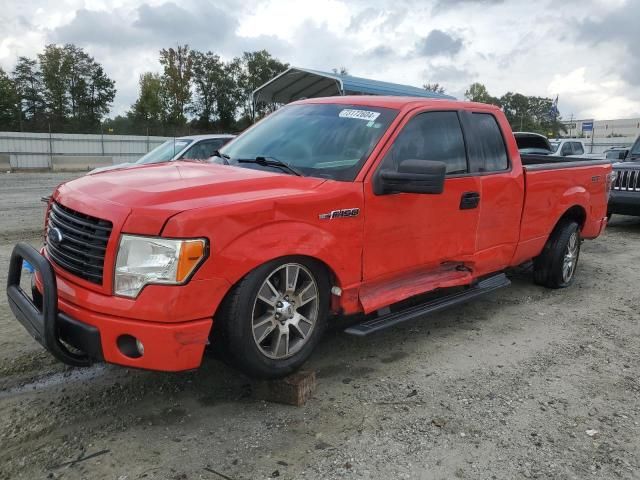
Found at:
[627, 180]
[83, 245]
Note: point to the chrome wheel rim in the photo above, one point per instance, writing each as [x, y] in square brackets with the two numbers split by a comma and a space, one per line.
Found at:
[285, 311]
[570, 257]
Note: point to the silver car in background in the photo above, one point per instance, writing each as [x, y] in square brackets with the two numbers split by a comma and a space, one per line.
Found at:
[192, 147]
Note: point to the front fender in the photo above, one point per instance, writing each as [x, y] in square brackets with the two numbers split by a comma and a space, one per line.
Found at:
[340, 250]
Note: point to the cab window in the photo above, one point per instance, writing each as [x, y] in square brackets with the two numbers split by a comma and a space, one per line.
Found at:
[435, 136]
[487, 151]
[578, 148]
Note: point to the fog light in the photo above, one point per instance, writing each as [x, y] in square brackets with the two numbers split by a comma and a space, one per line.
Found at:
[130, 346]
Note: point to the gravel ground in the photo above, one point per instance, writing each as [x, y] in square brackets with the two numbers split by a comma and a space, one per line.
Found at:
[524, 383]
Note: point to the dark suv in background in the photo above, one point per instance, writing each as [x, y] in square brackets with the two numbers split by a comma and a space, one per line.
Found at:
[625, 195]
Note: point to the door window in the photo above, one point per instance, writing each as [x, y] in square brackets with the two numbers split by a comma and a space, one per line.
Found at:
[577, 148]
[566, 149]
[487, 150]
[435, 136]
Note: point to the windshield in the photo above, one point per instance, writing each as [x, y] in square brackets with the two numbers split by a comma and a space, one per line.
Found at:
[321, 140]
[554, 146]
[165, 152]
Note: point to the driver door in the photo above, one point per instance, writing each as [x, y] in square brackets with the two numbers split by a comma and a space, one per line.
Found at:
[416, 233]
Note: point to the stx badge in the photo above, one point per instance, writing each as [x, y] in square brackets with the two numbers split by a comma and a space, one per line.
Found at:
[344, 213]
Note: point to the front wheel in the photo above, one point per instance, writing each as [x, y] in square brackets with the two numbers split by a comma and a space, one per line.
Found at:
[556, 266]
[274, 317]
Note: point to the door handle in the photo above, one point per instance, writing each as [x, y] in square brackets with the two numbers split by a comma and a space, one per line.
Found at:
[469, 200]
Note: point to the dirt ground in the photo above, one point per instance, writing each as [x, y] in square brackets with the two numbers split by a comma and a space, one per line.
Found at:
[523, 383]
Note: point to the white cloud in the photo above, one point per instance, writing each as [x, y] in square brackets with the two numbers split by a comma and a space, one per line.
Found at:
[571, 48]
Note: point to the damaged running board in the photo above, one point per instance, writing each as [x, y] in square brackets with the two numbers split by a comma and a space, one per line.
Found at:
[390, 319]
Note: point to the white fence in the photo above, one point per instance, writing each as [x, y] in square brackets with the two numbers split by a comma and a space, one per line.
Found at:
[599, 145]
[44, 150]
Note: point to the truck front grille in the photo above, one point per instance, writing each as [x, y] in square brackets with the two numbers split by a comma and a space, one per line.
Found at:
[77, 242]
[627, 180]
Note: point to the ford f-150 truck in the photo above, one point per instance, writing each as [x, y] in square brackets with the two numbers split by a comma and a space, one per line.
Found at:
[388, 207]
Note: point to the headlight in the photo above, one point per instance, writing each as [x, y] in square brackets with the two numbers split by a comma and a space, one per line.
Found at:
[145, 260]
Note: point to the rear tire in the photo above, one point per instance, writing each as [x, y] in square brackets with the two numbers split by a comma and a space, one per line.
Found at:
[274, 317]
[556, 266]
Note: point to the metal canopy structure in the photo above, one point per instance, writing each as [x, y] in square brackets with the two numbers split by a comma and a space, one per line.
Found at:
[298, 83]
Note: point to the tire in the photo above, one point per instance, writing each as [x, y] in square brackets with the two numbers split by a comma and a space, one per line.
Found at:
[556, 266]
[254, 316]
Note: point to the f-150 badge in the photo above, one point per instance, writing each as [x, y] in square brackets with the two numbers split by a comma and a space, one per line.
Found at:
[344, 213]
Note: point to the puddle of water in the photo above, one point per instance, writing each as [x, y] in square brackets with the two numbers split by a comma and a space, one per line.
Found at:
[56, 379]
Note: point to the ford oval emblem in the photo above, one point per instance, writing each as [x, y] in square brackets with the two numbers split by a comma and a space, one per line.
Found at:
[55, 236]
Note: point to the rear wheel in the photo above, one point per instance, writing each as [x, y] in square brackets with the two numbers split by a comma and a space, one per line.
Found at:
[556, 266]
[275, 316]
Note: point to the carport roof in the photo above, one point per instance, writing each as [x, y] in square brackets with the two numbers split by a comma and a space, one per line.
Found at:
[296, 83]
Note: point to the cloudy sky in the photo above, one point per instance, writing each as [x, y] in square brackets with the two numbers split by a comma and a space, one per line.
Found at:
[585, 51]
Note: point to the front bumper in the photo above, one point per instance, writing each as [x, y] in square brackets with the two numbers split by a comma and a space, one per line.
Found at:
[624, 202]
[79, 336]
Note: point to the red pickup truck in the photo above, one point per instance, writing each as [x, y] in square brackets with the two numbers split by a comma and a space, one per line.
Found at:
[330, 206]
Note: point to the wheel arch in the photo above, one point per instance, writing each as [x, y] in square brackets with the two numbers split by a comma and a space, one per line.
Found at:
[576, 213]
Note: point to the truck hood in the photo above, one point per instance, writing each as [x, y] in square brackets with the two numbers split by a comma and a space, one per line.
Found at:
[151, 194]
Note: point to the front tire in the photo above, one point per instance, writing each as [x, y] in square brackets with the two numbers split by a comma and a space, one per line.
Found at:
[274, 317]
[556, 266]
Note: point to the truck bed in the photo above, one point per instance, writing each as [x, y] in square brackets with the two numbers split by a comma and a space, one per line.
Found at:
[555, 184]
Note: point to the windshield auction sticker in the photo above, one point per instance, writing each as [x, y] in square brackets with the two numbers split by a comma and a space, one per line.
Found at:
[365, 115]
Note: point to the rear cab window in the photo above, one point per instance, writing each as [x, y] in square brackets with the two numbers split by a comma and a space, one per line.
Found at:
[487, 148]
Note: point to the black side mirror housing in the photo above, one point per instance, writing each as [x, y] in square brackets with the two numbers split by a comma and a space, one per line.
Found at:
[413, 176]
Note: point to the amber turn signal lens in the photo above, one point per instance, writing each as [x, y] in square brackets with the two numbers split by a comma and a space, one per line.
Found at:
[191, 253]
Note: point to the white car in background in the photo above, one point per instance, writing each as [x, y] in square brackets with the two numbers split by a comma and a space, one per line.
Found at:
[193, 147]
[530, 143]
[567, 147]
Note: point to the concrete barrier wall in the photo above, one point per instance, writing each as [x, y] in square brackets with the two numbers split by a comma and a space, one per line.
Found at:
[63, 163]
[5, 162]
[38, 150]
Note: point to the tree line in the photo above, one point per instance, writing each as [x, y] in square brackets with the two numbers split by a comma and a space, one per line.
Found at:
[198, 92]
[62, 89]
[525, 113]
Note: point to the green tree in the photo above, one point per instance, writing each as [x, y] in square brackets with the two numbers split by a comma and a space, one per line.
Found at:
[433, 87]
[531, 114]
[229, 96]
[208, 79]
[55, 69]
[176, 79]
[27, 79]
[148, 110]
[257, 68]
[9, 106]
[477, 92]
[76, 90]
[99, 95]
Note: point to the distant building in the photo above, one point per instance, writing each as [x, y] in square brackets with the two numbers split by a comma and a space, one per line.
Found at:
[602, 134]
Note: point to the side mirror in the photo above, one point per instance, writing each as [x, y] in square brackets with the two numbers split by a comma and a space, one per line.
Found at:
[413, 176]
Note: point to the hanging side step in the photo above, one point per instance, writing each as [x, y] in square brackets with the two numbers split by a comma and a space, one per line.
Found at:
[390, 319]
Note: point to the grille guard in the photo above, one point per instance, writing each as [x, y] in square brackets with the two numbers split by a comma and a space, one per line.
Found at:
[47, 324]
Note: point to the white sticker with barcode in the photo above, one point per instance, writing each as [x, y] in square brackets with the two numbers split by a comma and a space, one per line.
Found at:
[365, 115]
